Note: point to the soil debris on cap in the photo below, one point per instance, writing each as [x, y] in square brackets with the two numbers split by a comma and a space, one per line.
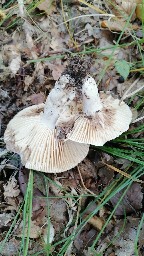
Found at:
[77, 68]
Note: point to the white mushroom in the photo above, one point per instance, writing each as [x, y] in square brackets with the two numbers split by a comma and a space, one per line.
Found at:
[55, 136]
[34, 133]
[104, 118]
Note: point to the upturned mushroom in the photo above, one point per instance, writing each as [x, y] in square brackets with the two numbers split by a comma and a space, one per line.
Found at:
[55, 136]
[38, 133]
[103, 118]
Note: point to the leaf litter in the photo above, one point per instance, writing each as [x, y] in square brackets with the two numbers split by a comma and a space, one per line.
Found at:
[45, 33]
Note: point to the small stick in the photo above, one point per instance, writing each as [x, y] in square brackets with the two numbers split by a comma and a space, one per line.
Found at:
[126, 93]
[138, 119]
[123, 173]
[87, 15]
[84, 184]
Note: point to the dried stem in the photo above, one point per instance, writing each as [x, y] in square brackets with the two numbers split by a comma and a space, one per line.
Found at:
[89, 191]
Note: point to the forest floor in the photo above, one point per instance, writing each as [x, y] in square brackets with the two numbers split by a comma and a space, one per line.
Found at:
[97, 207]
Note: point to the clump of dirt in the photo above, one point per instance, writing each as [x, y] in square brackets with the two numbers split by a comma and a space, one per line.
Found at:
[77, 68]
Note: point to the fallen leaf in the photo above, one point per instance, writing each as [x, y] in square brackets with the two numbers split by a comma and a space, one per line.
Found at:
[10, 248]
[38, 196]
[11, 189]
[35, 231]
[131, 202]
[56, 44]
[58, 210]
[15, 64]
[96, 222]
[106, 175]
[5, 219]
[56, 69]
[47, 6]
[12, 57]
[125, 243]
[37, 98]
[13, 203]
[118, 25]
[85, 238]
[28, 81]
[124, 8]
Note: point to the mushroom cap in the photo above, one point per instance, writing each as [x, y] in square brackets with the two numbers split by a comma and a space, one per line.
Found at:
[31, 138]
[107, 124]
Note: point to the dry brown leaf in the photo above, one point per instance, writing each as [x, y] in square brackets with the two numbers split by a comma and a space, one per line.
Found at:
[10, 248]
[56, 188]
[12, 57]
[57, 43]
[58, 210]
[96, 222]
[28, 81]
[47, 6]
[123, 8]
[13, 203]
[85, 239]
[11, 189]
[125, 243]
[117, 25]
[127, 6]
[56, 69]
[35, 231]
[123, 235]
[131, 202]
[15, 64]
[105, 175]
[37, 98]
[5, 219]
[38, 197]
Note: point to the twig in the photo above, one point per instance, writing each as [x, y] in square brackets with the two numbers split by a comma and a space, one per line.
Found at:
[87, 15]
[126, 93]
[134, 92]
[89, 191]
[123, 173]
[138, 119]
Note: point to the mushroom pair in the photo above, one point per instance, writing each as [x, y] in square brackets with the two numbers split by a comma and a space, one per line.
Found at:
[55, 136]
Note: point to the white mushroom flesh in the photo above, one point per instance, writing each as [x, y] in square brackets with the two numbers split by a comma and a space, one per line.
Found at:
[38, 146]
[91, 99]
[105, 125]
[58, 102]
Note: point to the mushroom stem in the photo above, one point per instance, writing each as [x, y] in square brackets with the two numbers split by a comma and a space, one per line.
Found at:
[58, 101]
[91, 99]
[51, 114]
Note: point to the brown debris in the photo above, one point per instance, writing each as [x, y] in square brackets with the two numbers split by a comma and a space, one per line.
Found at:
[131, 201]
